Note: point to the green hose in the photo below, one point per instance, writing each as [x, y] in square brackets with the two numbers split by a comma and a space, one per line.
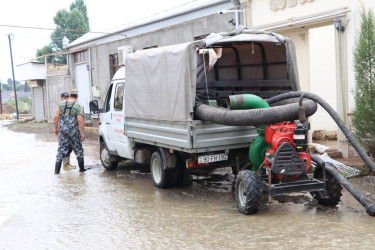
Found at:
[258, 147]
[246, 101]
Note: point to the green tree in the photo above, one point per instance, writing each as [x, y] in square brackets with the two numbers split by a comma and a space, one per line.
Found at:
[44, 51]
[6, 87]
[26, 88]
[364, 64]
[71, 24]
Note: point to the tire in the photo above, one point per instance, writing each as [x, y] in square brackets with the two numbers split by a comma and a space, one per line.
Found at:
[162, 177]
[106, 159]
[333, 188]
[247, 192]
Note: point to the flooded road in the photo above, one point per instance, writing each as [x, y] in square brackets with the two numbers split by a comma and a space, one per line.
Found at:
[122, 209]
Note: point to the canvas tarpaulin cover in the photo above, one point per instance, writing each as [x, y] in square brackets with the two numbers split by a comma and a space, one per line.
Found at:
[161, 82]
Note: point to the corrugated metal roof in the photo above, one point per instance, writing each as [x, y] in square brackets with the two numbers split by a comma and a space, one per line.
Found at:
[160, 20]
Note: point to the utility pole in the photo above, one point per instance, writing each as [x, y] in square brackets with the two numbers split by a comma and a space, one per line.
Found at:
[14, 80]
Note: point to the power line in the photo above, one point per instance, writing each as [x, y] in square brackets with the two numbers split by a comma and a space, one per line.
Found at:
[44, 38]
[64, 30]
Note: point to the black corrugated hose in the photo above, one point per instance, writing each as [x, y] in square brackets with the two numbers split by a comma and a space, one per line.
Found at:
[253, 117]
[370, 208]
[334, 116]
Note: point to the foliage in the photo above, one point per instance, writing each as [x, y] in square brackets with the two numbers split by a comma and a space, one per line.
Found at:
[6, 87]
[44, 51]
[364, 64]
[71, 24]
[26, 87]
[24, 104]
[19, 86]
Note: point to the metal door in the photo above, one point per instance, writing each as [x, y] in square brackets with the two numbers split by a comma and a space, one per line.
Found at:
[118, 139]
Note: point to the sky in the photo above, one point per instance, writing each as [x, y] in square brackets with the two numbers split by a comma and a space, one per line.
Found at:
[40, 13]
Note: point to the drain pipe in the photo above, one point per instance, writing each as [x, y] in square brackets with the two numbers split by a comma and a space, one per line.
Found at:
[370, 208]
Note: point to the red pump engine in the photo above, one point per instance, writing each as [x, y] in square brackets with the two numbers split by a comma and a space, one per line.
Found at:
[288, 154]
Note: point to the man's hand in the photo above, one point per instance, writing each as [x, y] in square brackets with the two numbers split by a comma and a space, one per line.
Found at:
[56, 131]
[82, 137]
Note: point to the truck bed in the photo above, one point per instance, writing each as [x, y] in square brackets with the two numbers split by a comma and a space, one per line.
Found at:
[193, 137]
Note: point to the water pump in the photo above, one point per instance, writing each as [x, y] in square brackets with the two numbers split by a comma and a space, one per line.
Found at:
[288, 155]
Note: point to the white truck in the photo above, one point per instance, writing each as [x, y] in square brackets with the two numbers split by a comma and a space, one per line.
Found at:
[172, 107]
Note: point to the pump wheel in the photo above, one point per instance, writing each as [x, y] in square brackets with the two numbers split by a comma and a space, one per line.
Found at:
[105, 158]
[247, 192]
[333, 187]
[162, 177]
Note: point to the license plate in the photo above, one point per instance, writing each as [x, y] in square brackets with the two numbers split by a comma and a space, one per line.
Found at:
[212, 158]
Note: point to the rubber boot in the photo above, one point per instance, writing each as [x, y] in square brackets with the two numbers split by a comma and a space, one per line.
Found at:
[57, 167]
[81, 165]
[66, 164]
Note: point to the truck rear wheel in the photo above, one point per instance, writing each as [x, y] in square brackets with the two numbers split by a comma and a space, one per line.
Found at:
[247, 192]
[105, 158]
[333, 188]
[162, 177]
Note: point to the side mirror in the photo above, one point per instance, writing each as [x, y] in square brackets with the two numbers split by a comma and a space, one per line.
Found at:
[94, 107]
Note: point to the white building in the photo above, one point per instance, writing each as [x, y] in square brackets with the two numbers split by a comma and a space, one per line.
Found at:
[324, 53]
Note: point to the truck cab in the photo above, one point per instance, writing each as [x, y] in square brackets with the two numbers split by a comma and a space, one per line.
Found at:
[114, 144]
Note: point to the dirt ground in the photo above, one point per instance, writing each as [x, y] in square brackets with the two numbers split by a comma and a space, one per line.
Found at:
[7, 109]
[40, 128]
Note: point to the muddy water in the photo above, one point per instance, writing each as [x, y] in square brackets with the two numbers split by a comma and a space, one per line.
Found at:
[122, 209]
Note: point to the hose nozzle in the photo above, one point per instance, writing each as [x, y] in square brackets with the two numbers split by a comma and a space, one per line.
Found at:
[370, 209]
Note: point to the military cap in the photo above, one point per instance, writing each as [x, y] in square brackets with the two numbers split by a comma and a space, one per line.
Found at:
[64, 94]
[74, 92]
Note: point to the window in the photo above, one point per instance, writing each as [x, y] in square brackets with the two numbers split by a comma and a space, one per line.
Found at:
[113, 64]
[80, 57]
[119, 97]
[107, 101]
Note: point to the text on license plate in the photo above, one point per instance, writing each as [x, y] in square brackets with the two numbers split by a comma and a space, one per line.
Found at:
[212, 158]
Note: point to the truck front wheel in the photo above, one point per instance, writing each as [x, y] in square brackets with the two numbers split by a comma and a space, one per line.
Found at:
[105, 158]
[162, 177]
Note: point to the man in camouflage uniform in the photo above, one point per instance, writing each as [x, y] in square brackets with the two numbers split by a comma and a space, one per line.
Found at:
[66, 161]
[69, 126]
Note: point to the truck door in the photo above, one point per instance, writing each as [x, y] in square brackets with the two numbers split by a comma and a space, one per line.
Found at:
[105, 118]
[119, 142]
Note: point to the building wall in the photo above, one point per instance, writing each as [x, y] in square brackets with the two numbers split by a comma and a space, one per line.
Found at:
[262, 15]
[55, 85]
[172, 35]
[292, 18]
